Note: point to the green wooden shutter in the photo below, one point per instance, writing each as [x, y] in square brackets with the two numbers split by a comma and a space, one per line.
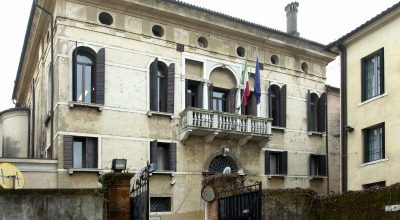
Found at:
[100, 76]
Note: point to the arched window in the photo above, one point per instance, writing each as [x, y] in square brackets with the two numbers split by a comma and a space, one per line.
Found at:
[277, 105]
[162, 87]
[219, 163]
[84, 77]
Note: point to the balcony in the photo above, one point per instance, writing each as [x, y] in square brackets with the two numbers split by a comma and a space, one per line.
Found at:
[210, 124]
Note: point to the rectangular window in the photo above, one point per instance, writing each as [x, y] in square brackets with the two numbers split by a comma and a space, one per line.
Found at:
[84, 152]
[372, 75]
[219, 100]
[163, 155]
[276, 162]
[375, 185]
[317, 165]
[374, 143]
[160, 204]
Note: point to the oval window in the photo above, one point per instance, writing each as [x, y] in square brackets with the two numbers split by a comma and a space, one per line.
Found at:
[240, 51]
[202, 41]
[105, 18]
[158, 31]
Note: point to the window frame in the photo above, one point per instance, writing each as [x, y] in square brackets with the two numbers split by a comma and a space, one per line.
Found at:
[379, 74]
[366, 150]
[91, 55]
[275, 94]
[84, 141]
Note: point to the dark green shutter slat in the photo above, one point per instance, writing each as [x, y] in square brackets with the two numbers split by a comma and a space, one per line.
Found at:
[68, 152]
[171, 88]
[200, 95]
[74, 69]
[284, 162]
[309, 116]
[321, 113]
[172, 156]
[282, 107]
[91, 152]
[153, 85]
[153, 151]
[267, 162]
[187, 104]
[322, 165]
[310, 164]
[363, 79]
[100, 76]
[210, 96]
[382, 70]
[232, 100]
[269, 102]
[366, 145]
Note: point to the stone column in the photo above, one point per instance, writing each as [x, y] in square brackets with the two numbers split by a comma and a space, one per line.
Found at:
[117, 200]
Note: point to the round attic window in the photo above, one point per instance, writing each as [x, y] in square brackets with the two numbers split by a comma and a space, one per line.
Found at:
[274, 59]
[105, 18]
[240, 51]
[304, 67]
[158, 31]
[202, 41]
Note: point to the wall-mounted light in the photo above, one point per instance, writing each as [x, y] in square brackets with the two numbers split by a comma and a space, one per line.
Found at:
[348, 128]
[118, 165]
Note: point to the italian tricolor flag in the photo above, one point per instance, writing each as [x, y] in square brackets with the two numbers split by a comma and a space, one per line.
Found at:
[245, 84]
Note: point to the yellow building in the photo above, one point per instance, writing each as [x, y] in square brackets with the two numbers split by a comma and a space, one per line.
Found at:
[370, 104]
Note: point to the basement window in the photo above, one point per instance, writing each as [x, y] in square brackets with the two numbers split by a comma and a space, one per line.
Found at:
[160, 204]
[105, 18]
[240, 51]
[375, 185]
[158, 31]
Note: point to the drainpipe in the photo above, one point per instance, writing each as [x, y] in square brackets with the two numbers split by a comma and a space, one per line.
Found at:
[52, 72]
[343, 111]
[327, 137]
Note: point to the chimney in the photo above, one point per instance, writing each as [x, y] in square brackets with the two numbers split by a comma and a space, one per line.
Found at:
[291, 18]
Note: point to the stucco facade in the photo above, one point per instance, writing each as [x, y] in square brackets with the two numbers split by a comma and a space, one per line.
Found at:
[364, 112]
[125, 125]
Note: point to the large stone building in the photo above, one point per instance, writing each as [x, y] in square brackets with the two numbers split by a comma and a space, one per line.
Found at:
[370, 122]
[160, 81]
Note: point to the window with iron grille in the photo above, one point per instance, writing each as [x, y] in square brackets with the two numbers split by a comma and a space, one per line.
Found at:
[374, 143]
[219, 163]
[160, 204]
[372, 75]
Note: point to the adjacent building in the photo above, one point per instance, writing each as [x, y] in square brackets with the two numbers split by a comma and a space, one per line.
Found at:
[160, 81]
[369, 82]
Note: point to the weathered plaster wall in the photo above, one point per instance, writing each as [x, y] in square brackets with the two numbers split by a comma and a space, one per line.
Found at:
[333, 135]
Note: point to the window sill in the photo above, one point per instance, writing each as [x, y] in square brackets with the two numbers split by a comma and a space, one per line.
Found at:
[281, 129]
[281, 176]
[151, 113]
[73, 104]
[374, 162]
[316, 133]
[166, 172]
[318, 177]
[372, 99]
[89, 170]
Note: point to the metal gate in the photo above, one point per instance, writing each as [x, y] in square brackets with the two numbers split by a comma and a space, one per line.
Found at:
[245, 204]
[140, 196]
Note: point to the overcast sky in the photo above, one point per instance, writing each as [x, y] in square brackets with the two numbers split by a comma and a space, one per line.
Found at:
[319, 20]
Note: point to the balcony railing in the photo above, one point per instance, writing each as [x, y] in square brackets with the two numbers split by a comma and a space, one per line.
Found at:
[223, 123]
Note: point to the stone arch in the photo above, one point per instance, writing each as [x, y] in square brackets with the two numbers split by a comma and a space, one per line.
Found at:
[222, 153]
[223, 76]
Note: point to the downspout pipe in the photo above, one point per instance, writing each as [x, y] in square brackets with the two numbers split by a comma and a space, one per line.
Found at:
[52, 73]
[327, 89]
[343, 111]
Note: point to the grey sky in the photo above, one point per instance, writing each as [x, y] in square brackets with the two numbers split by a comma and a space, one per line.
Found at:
[319, 20]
